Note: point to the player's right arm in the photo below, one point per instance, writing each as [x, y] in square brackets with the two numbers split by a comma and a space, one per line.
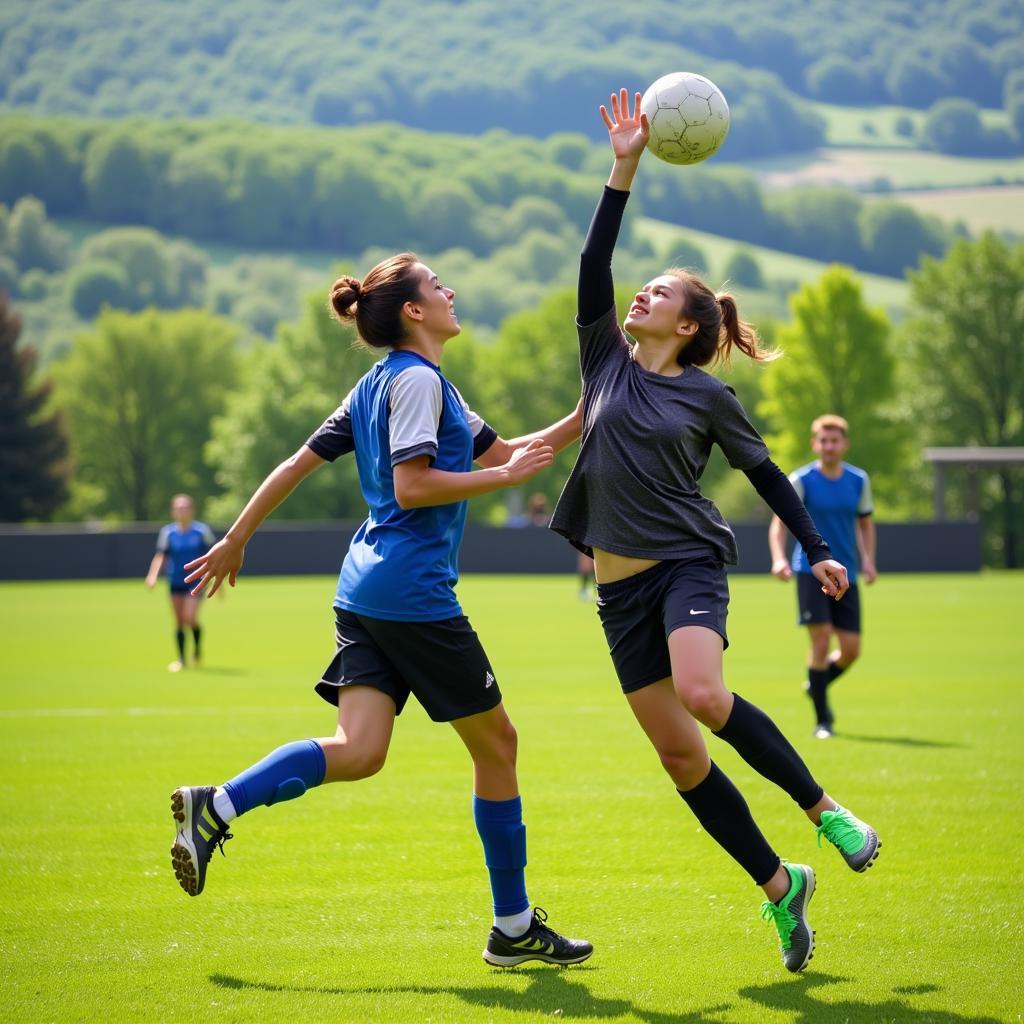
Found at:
[159, 558]
[224, 559]
[777, 544]
[596, 291]
[155, 568]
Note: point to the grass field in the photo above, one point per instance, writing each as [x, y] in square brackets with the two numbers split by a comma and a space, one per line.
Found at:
[369, 902]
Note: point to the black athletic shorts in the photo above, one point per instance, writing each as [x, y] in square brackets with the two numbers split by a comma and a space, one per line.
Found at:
[182, 589]
[639, 612]
[442, 663]
[817, 608]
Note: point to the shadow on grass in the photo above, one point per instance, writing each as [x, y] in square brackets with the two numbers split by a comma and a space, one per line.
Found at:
[550, 991]
[900, 741]
[796, 997]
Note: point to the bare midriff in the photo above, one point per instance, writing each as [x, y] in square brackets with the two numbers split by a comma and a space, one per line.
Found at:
[610, 568]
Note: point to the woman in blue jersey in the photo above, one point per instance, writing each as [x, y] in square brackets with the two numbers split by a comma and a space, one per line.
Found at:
[179, 542]
[633, 498]
[399, 626]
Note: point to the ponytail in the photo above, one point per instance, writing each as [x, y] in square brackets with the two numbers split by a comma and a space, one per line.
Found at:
[719, 327]
[738, 333]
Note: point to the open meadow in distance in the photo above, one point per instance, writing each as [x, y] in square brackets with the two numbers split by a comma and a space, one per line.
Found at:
[369, 902]
[902, 168]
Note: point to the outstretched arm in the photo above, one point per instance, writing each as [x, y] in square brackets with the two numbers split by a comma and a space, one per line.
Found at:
[628, 135]
[224, 559]
[419, 485]
[557, 436]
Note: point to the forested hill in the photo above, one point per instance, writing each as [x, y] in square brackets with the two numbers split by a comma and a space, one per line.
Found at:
[481, 64]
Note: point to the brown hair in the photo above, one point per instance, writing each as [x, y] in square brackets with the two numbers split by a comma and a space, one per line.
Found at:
[719, 327]
[830, 421]
[375, 303]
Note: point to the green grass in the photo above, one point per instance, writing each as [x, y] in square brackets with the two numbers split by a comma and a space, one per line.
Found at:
[368, 902]
[890, 293]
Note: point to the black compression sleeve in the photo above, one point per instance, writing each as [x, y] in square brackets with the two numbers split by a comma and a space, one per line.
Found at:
[773, 485]
[596, 290]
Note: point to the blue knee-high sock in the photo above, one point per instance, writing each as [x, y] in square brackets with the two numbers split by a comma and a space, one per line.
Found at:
[501, 828]
[283, 774]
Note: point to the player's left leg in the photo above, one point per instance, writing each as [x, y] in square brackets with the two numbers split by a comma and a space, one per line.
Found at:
[191, 621]
[179, 602]
[518, 934]
[696, 655]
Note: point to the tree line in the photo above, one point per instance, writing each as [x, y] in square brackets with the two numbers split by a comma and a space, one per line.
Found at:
[346, 190]
[154, 402]
[529, 69]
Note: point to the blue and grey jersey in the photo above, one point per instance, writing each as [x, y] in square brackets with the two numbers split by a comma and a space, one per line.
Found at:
[835, 503]
[402, 563]
[182, 546]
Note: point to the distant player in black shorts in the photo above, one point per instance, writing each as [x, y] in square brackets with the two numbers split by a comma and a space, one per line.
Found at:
[651, 416]
[180, 542]
[399, 627]
[838, 496]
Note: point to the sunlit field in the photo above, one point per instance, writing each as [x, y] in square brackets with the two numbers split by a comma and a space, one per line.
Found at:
[369, 901]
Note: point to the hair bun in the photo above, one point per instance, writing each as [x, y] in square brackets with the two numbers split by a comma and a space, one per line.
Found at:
[345, 294]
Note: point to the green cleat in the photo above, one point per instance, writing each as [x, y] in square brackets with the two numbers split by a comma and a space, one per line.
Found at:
[854, 839]
[789, 915]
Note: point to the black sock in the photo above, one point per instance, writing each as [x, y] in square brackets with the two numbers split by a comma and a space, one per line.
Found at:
[197, 634]
[759, 742]
[835, 670]
[818, 680]
[720, 808]
[180, 637]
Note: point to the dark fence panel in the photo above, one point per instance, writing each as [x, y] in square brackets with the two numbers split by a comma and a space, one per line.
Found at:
[298, 549]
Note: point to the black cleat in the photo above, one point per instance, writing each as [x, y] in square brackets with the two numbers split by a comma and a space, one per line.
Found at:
[200, 829]
[538, 942]
[825, 720]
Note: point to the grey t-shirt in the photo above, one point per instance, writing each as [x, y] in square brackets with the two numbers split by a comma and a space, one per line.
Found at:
[646, 440]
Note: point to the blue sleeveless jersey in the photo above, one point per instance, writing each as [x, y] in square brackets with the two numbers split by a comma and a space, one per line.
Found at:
[402, 563]
[834, 506]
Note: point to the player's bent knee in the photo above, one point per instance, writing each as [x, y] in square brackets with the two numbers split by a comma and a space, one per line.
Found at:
[345, 760]
[705, 703]
[367, 763]
[685, 768]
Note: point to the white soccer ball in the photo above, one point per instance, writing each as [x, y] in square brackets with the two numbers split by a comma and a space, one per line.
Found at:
[688, 115]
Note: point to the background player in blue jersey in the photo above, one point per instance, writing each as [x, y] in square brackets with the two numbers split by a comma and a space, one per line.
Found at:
[179, 542]
[399, 626]
[838, 496]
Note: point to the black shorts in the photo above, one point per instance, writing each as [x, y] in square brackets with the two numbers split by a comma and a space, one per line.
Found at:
[182, 589]
[818, 609]
[639, 612]
[442, 663]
